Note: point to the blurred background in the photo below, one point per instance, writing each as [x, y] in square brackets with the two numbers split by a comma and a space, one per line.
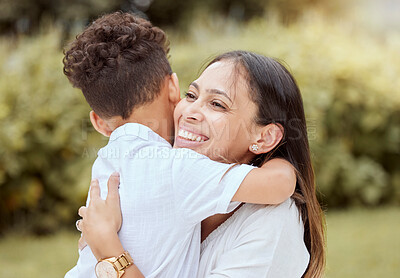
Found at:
[345, 56]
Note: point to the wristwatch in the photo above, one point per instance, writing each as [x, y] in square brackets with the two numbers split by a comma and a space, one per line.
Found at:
[113, 267]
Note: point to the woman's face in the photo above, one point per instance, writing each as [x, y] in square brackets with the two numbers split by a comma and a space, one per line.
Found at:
[216, 118]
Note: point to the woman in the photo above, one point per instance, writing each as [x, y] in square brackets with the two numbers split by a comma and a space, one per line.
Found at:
[239, 88]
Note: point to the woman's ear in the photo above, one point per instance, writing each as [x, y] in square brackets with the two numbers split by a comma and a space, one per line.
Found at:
[269, 137]
[99, 124]
[174, 90]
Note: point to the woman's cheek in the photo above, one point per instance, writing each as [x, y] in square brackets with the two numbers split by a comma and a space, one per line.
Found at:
[178, 111]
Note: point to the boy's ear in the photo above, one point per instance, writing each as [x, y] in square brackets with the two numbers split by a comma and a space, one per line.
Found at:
[174, 90]
[268, 138]
[99, 124]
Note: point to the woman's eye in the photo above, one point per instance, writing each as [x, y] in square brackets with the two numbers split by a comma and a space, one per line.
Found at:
[190, 96]
[217, 105]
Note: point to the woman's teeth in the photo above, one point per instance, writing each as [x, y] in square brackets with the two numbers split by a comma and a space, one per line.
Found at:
[190, 136]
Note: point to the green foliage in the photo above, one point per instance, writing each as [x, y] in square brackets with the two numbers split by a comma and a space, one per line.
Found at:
[43, 177]
[349, 80]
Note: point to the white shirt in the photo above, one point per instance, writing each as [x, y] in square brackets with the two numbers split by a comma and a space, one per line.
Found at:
[256, 241]
[165, 193]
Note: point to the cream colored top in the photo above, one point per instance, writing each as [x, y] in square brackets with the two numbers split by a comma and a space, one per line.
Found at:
[257, 241]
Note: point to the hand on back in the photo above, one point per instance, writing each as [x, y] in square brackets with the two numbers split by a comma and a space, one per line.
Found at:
[102, 218]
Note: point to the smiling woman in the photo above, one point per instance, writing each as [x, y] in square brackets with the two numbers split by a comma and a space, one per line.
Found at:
[240, 98]
[244, 108]
[215, 109]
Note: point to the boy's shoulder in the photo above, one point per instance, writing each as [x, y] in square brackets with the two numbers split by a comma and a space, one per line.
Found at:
[139, 132]
[134, 141]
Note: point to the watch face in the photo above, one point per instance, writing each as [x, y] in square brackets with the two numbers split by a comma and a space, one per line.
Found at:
[105, 269]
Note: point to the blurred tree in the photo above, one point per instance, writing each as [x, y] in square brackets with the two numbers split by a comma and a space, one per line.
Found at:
[25, 16]
[44, 164]
[173, 12]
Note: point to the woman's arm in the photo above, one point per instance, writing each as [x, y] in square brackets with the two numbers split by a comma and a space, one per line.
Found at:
[101, 221]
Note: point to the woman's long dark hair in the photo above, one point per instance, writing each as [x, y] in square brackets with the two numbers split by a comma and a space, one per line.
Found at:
[273, 89]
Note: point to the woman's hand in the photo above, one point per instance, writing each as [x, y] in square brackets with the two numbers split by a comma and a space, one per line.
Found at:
[102, 219]
[100, 224]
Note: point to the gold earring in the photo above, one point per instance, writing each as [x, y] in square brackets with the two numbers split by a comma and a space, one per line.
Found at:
[254, 147]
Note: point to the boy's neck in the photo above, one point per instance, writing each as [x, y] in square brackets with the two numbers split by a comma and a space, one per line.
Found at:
[156, 115]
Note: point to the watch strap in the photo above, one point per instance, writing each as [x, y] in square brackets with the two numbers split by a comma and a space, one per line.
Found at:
[123, 261]
[119, 263]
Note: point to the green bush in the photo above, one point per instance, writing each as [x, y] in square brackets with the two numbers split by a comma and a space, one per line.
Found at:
[43, 174]
[349, 80]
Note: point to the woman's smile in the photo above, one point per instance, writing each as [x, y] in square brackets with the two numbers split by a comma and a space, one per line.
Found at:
[189, 138]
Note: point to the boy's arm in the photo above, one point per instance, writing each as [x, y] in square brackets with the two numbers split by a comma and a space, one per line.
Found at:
[272, 184]
[203, 187]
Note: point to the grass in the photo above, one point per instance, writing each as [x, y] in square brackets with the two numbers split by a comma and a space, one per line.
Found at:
[31, 257]
[364, 243]
[361, 243]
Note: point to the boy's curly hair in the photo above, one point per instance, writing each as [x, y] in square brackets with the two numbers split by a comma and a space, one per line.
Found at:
[119, 62]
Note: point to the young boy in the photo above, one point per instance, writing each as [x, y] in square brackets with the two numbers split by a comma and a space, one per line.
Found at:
[120, 64]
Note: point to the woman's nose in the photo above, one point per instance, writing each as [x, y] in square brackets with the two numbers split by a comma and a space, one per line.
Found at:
[194, 112]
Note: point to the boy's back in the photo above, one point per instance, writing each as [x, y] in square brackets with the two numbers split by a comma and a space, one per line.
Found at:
[165, 194]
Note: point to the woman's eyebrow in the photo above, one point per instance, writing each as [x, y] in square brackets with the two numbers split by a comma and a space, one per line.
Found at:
[219, 92]
[211, 91]
[194, 84]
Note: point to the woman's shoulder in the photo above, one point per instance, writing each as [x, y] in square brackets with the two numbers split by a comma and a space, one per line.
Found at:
[269, 237]
[280, 228]
[270, 218]
[286, 209]
[254, 220]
